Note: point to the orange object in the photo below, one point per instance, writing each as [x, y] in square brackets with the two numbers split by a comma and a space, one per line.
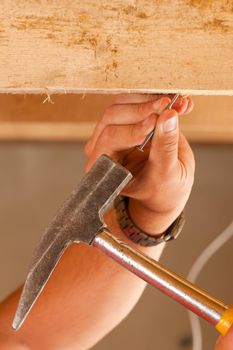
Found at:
[226, 321]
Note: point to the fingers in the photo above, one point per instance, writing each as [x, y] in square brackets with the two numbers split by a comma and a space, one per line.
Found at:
[135, 107]
[133, 113]
[164, 146]
[190, 106]
[117, 138]
[183, 105]
[136, 98]
[126, 114]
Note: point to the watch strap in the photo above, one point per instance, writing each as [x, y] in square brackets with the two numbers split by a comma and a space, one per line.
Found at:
[135, 234]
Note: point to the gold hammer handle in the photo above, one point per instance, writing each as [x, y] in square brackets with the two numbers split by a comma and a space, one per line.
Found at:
[151, 271]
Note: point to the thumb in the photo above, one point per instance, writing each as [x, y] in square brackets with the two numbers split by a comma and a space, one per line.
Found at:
[164, 147]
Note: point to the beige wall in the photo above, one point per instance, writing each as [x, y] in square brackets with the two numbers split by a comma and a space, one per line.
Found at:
[36, 177]
[73, 117]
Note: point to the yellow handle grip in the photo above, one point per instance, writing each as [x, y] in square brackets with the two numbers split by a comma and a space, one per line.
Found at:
[226, 321]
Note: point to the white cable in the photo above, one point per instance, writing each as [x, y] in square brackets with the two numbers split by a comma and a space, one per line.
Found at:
[194, 272]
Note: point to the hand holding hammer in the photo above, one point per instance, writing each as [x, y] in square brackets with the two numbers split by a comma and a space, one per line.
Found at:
[160, 188]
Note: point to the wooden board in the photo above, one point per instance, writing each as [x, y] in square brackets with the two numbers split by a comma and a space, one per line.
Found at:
[72, 117]
[120, 45]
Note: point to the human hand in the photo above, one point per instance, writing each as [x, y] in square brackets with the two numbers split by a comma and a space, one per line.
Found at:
[164, 179]
[225, 343]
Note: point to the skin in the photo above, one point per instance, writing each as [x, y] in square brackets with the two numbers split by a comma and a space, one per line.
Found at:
[79, 306]
[225, 343]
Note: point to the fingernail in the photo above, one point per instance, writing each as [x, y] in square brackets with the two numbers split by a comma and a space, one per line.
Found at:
[161, 103]
[170, 124]
[178, 102]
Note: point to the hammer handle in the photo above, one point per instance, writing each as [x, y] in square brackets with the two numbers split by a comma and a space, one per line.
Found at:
[151, 271]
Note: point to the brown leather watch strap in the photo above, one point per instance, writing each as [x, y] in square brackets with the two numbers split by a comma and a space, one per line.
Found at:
[135, 234]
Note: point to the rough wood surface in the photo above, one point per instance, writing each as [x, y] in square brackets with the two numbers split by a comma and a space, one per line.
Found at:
[120, 45]
[72, 117]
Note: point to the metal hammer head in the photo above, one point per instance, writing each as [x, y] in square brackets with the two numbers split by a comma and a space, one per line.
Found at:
[78, 220]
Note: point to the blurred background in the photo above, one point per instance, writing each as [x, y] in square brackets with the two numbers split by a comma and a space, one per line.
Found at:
[39, 170]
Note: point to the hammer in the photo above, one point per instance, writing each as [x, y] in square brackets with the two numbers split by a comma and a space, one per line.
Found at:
[80, 219]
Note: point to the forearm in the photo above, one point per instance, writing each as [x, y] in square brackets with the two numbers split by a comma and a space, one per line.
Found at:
[86, 297]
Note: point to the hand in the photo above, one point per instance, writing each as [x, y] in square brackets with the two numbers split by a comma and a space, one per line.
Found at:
[165, 173]
[225, 343]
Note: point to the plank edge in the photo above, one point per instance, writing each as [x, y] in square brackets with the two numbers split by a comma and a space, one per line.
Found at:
[60, 90]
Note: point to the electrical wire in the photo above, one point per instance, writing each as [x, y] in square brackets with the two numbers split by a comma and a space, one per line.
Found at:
[195, 271]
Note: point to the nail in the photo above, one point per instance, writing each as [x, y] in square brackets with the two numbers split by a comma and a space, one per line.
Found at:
[161, 103]
[178, 102]
[170, 124]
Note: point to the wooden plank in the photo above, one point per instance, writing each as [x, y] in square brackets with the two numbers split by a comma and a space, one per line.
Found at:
[73, 117]
[122, 45]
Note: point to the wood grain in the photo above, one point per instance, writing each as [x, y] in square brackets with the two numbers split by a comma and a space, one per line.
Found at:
[122, 45]
[73, 117]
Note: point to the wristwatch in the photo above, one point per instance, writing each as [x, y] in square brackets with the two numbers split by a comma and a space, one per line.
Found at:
[135, 234]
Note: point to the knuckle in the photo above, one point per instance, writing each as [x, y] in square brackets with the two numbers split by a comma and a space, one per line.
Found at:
[140, 109]
[107, 115]
[107, 134]
[87, 149]
[133, 131]
[143, 109]
[186, 175]
[183, 173]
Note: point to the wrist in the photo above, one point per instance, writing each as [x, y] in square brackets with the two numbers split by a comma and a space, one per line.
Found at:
[150, 221]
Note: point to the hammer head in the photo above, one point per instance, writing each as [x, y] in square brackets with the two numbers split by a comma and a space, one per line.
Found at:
[78, 220]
